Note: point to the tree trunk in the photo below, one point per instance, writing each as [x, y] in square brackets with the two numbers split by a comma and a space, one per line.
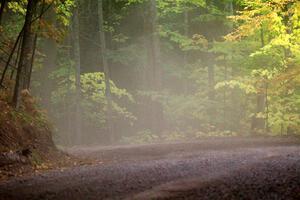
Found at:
[234, 100]
[225, 97]
[69, 98]
[211, 89]
[28, 81]
[157, 72]
[17, 43]
[23, 72]
[156, 110]
[267, 127]
[106, 69]
[287, 51]
[75, 38]
[35, 39]
[258, 123]
[3, 4]
[48, 48]
[16, 60]
[185, 53]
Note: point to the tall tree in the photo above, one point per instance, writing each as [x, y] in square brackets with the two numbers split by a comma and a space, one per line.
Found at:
[211, 87]
[48, 48]
[233, 98]
[2, 7]
[185, 53]
[154, 68]
[258, 122]
[210, 64]
[106, 69]
[155, 48]
[24, 67]
[76, 46]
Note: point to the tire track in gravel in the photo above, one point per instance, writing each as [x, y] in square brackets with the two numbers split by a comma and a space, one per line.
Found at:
[192, 173]
[275, 177]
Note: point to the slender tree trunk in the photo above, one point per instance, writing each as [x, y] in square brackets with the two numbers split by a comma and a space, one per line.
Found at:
[225, 96]
[68, 109]
[49, 48]
[233, 93]
[262, 37]
[143, 81]
[185, 53]
[234, 107]
[186, 32]
[157, 71]
[258, 123]
[211, 89]
[35, 40]
[211, 81]
[153, 47]
[25, 55]
[28, 66]
[16, 61]
[289, 30]
[156, 110]
[17, 42]
[27, 84]
[106, 69]
[267, 106]
[75, 38]
[3, 5]
[109, 35]
[152, 112]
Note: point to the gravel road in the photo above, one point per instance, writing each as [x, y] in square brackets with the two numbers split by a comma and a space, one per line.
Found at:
[208, 169]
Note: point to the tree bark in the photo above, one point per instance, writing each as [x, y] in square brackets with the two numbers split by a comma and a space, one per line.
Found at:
[258, 123]
[185, 53]
[267, 127]
[155, 54]
[154, 69]
[211, 89]
[229, 113]
[17, 42]
[106, 69]
[3, 5]
[16, 61]
[25, 55]
[75, 38]
[35, 40]
[49, 48]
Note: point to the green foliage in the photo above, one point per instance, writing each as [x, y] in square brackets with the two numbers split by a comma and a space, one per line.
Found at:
[216, 58]
[18, 6]
[216, 134]
[232, 84]
[284, 113]
[64, 10]
[271, 66]
[93, 99]
[142, 137]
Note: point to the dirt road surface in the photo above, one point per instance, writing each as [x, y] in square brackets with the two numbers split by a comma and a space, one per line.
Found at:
[206, 169]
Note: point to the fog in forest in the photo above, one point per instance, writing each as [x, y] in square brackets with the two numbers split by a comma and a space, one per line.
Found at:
[149, 99]
[131, 72]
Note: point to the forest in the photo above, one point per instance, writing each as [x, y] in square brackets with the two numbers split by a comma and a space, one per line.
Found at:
[140, 71]
[150, 99]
